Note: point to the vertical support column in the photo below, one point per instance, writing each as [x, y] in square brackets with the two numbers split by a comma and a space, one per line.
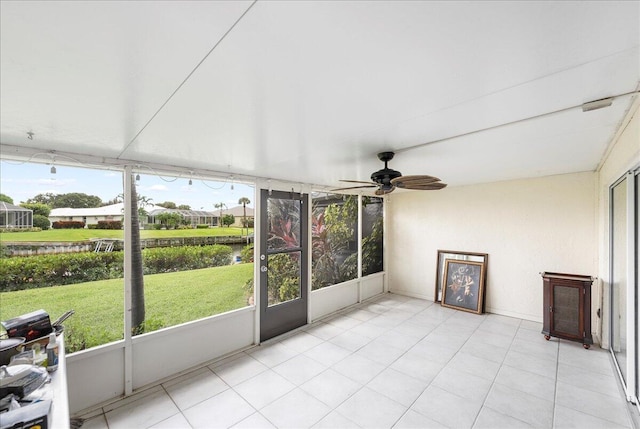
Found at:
[257, 242]
[359, 238]
[385, 260]
[128, 247]
[632, 288]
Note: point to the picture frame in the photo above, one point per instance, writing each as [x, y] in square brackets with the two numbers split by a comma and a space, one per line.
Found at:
[463, 288]
[457, 255]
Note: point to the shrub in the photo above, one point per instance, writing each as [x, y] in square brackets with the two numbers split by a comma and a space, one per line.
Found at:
[182, 258]
[29, 272]
[202, 226]
[34, 229]
[67, 224]
[109, 224]
[246, 255]
[41, 222]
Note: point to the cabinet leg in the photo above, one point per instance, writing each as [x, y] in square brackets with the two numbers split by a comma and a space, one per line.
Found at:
[586, 346]
[546, 337]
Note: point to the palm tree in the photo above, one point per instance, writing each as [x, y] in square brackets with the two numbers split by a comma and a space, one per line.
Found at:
[137, 274]
[220, 206]
[244, 201]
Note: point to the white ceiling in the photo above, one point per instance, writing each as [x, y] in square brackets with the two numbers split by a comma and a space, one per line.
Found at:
[310, 91]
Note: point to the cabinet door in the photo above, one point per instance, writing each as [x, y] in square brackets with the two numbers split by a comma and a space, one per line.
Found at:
[567, 303]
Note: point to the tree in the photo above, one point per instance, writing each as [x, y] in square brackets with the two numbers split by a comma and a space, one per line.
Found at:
[113, 201]
[6, 198]
[228, 220]
[76, 200]
[46, 198]
[244, 201]
[38, 208]
[220, 206]
[142, 202]
[168, 205]
[137, 273]
[184, 207]
[170, 220]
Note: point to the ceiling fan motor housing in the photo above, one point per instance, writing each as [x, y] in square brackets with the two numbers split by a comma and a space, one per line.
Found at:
[385, 176]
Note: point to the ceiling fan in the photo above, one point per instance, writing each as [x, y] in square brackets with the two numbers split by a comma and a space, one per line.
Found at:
[387, 179]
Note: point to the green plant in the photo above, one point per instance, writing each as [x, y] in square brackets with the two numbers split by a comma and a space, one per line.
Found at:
[283, 277]
[246, 254]
[333, 230]
[38, 208]
[41, 222]
[170, 219]
[228, 219]
[109, 224]
[40, 271]
[9, 231]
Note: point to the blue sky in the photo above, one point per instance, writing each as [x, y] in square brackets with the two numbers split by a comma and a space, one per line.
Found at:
[22, 181]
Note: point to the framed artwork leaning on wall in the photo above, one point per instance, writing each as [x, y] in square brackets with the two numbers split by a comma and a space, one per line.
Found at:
[463, 287]
[458, 256]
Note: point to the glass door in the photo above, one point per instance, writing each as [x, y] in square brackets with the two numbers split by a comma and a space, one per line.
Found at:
[618, 284]
[624, 271]
[283, 262]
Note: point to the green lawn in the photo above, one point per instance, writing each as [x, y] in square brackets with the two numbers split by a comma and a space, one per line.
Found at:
[170, 299]
[64, 235]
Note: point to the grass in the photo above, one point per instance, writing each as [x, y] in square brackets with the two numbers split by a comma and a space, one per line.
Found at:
[170, 299]
[71, 235]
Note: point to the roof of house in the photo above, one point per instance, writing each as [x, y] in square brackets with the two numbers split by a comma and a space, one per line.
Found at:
[6, 207]
[186, 213]
[111, 210]
[237, 211]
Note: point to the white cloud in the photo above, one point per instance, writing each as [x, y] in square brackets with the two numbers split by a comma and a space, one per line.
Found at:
[161, 188]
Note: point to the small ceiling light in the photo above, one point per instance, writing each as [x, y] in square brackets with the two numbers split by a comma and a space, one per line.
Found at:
[53, 169]
[190, 182]
[597, 104]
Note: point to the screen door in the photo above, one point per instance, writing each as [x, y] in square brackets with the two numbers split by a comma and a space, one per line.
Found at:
[283, 262]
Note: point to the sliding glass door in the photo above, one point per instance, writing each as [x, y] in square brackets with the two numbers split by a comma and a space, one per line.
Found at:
[623, 281]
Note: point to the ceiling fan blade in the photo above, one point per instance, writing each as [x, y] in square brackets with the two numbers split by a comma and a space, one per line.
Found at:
[371, 185]
[406, 180]
[359, 181]
[425, 187]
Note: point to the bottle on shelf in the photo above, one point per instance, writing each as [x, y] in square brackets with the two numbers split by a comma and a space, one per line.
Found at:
[52, 353]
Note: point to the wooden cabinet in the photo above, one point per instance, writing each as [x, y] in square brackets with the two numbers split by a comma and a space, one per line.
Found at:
[567, 307]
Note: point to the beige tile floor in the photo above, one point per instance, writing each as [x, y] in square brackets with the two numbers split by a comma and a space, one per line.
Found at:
[390, 362]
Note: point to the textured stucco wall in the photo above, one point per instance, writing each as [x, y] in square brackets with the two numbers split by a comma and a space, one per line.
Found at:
[526, 226]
